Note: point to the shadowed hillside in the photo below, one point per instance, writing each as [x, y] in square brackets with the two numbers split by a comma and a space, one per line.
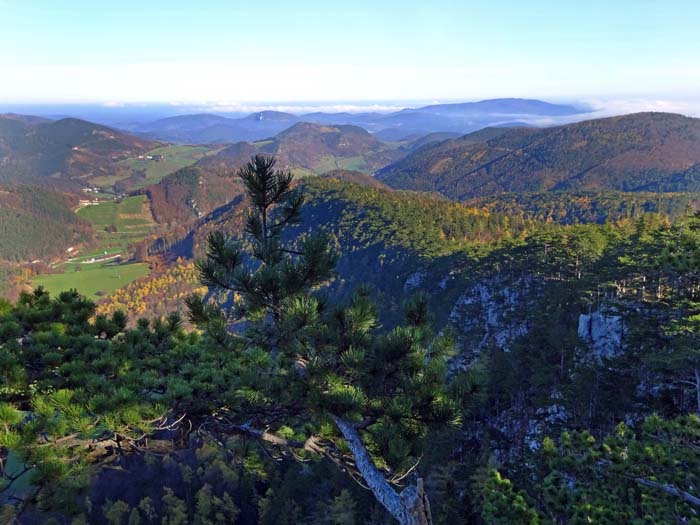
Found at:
[33, 149]
[640, 152]
[190, 193]
[38, 224]
[384, 236]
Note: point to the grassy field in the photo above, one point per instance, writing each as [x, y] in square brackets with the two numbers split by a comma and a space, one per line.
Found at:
[105, 182]
[131, 217]
[94, 280]
[300, 173]
[174, 158]
[133, 222]
[112, 212]
[346, 163]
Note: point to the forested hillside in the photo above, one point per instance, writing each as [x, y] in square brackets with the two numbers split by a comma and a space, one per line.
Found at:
[522, 357]
[38, 224]
[312, 148]
[587, 207]
[55, 152]
[190, 193]
[640, 152]
[555, 329]
[383, 237]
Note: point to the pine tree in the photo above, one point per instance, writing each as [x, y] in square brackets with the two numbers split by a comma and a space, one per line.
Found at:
[503, 505]
[175, 510]
[340, 511]
[115, 512]
[323, 377]
[644, 476]
[680, 261]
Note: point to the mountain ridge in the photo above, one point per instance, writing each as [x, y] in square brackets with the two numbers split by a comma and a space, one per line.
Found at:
[396, 125]
[636, 152]
[311, 147]
[61, 151]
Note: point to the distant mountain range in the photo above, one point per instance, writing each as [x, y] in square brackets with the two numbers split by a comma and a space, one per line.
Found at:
[655, 152]
[69, 154]
[396, 126]
[641, 152]
[206, 128]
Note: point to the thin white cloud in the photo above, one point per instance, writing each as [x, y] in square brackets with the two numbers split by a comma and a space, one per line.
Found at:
[299, 108]
[617, 106]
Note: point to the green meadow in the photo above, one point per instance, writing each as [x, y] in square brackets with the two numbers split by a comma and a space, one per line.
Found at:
[174, 158]
[345, 163]
[131, 217]
[132, 220]
[94, 280]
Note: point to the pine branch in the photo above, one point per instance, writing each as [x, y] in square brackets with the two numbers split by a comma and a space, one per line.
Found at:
[670, 490]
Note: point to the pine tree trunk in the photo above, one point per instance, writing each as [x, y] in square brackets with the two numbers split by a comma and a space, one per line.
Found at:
[417, 505]
[410, 507]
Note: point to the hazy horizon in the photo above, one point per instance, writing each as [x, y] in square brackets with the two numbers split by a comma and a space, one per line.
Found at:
[119, 114]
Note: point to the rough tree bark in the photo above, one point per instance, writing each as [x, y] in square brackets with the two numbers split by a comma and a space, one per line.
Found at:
[410, 506]
[671, 490]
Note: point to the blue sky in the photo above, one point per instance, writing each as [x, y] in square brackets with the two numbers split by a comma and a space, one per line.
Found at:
[231, 52]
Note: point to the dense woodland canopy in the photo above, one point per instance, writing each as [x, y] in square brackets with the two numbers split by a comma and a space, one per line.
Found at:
[341, 352]
[639, 152]
[36, 223]
[235, 423]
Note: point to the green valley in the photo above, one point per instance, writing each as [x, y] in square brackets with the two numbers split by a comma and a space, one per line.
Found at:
[150, 167]
[119, 222]
[95, 280]
[99, 271]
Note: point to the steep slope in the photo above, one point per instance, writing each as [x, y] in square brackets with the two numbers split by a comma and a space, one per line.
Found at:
[61, 151]
[38, 224]
[312, 148]
[640, 152]
[387, 239]
[190, 193]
